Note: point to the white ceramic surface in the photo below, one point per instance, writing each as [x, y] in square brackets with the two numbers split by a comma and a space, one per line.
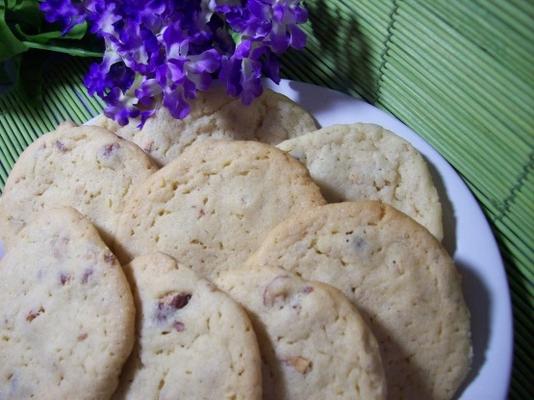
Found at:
[468, 238]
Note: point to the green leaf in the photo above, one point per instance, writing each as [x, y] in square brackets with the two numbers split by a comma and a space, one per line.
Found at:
[236, 36]
[9, 44]
[23, 5]
[76, 33]
[24, 11]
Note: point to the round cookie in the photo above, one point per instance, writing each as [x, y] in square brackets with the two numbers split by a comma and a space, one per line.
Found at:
[401, 279]
[367, 162]
[212, 207]
[66, 312]
[271, 118]
[84, 167]
[314, 344]
[193, 341]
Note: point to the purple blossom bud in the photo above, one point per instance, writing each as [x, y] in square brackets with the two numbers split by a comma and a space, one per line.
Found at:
[297, 38]
[103, 17]
[174, 100]
[148, 91]
[63, 11]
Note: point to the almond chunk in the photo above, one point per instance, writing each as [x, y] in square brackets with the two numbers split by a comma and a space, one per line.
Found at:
[301, 364]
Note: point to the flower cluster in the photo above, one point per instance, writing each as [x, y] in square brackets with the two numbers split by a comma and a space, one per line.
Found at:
[161, 52]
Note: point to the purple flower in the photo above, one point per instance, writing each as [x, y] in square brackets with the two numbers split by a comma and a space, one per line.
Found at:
[63, 11]
[241, 72]
[245, 21]
[102, 16]
[120, 106]
[273, 21]
[286, 14]
[201, 67]
[162, 52]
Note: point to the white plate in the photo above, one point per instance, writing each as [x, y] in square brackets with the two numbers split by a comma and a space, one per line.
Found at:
[468, 238]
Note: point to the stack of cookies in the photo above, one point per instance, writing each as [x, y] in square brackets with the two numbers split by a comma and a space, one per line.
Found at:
[239, 253]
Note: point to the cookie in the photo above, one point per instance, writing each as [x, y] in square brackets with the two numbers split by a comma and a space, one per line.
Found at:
[401, 279]
[102, 121]
[212, 207]
[271, 118]
[193, 341]
[367, 162]
[87, 168]
[313, 342]
[66, 312]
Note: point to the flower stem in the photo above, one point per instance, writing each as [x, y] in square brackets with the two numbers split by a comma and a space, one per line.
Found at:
[73, 51]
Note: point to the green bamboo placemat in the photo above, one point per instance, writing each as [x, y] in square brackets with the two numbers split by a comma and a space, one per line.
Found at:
[460, 73]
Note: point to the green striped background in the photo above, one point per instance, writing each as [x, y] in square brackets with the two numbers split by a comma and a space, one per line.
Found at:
[459, 72]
